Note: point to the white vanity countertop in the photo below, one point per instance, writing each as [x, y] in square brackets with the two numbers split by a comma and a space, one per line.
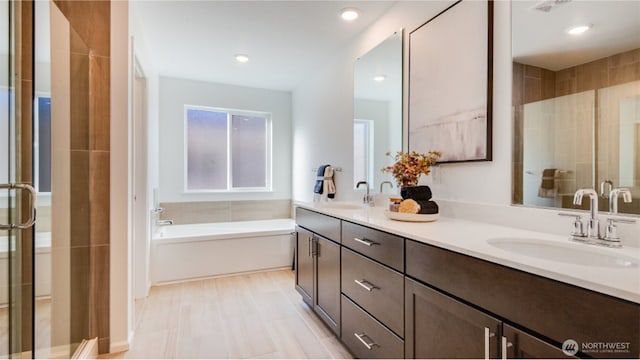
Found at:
[470, 238]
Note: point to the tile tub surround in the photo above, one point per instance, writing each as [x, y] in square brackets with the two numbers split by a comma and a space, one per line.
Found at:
[198, 212]
[469, 238]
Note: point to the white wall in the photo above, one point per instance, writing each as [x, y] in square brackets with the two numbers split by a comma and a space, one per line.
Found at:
[120, 296]
[323, 105]
[323, 109]
[141, 243]
[175, 93]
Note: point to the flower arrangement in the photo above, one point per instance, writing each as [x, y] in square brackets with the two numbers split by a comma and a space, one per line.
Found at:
[409, 166]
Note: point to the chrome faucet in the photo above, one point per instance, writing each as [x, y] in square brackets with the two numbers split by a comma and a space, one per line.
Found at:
[164, 222]
[611, 230]
[593, 236]
[385, 182]
[367, 199]
[603, 193]
[593, 228]
[613, 198]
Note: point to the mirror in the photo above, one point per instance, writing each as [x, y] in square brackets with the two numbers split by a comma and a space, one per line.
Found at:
[377, 123]
[576, 101]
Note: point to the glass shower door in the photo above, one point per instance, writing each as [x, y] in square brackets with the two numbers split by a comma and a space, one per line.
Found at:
[17, 196]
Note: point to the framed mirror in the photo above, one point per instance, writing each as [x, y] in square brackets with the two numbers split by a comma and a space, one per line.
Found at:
[576, 101]
[377, 123]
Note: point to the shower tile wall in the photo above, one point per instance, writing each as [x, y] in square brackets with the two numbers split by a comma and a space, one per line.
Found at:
[90, 151]
[531, 84]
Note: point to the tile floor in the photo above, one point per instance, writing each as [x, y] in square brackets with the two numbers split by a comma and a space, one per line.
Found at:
[256, 315]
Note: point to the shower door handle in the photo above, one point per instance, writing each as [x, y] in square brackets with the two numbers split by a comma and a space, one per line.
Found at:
[32, 206]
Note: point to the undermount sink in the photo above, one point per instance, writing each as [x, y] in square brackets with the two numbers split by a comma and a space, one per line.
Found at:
[564, 253]
[341, 205]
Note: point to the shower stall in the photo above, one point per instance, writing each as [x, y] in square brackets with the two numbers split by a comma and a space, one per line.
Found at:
[46, 255]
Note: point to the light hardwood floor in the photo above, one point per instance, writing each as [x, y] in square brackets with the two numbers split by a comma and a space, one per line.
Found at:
[256, 315]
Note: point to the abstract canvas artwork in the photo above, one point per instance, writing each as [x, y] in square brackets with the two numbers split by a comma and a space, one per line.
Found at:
[450, 73]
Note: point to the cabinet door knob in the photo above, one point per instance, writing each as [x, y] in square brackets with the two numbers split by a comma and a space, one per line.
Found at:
[369, 344]
[365, 284]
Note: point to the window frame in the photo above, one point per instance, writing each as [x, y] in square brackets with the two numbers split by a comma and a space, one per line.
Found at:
[230, 113]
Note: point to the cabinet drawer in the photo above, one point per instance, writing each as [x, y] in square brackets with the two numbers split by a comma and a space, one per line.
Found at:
[377, 289]
[366, 337]
[380, 246]
[320, 224]
[529, 300]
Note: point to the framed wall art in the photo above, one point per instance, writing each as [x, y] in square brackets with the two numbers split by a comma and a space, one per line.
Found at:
[450, 83]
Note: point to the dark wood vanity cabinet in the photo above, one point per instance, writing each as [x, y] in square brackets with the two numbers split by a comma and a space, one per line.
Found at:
[318, 266]
[372, 292]
[390, 297]
[552, 312]
[441, 327]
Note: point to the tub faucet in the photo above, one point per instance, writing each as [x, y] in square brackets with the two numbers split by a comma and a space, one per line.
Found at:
[164, 222]
[593, 229]
[385, 182]
[367, 199]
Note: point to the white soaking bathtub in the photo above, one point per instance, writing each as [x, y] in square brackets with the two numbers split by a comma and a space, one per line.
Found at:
[182, 252]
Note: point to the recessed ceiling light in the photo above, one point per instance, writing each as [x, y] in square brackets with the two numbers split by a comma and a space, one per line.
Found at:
[577, 30]
[243, 58]
[379, 78]
[349, 14]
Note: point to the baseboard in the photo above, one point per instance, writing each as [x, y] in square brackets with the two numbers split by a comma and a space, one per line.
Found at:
[239, 273]
[121, 346]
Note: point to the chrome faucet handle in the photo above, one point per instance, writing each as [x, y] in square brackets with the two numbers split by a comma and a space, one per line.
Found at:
[611, 230]
[578, 227]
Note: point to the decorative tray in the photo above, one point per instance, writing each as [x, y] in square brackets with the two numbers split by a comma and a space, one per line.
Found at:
[410, 217]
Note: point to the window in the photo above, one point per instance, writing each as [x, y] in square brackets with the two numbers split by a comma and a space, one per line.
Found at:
[227, 150]
[362, 148]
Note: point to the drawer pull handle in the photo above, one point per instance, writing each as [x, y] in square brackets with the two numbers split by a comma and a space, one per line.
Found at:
[505, 344]
[487, 334]
[365, 241]
[369, 344]
[365, 284]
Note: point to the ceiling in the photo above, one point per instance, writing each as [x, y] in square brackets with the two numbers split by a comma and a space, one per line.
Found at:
[285, 40]
[540, 39]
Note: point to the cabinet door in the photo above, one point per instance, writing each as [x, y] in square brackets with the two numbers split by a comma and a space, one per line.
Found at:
[438, 326]
[304, 264]
[327, 299]
[520, 345]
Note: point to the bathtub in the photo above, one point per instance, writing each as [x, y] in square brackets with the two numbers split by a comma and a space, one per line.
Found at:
[43, 266]
[182, 252]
